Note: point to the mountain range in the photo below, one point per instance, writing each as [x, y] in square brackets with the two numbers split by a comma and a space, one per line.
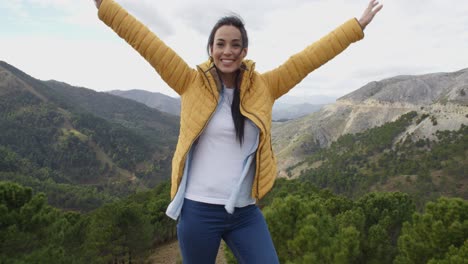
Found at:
[288, 107]
[158, 101]
[71, 137]
[355, 173]
[99, 142]
[441, 98]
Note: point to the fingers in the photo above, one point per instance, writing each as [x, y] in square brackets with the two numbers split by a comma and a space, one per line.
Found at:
[372, 9]
[377, 9]
[372, 5]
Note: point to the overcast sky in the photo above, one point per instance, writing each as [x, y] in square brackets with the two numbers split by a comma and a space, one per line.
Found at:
[65, 41]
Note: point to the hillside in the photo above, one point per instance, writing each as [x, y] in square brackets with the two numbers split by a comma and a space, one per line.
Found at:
[379, 159]
[440, 96]
[77, 139]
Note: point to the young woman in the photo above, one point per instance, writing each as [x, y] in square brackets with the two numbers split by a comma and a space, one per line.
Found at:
[223, 162]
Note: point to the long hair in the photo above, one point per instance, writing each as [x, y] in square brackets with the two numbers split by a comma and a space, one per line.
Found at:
[237, 117]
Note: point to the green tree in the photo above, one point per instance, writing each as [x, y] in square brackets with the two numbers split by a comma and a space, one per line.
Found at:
[430, 235]
[385, 214]
[34, 232]
[454, 255]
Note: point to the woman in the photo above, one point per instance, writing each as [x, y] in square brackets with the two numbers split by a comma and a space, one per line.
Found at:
[223, 162]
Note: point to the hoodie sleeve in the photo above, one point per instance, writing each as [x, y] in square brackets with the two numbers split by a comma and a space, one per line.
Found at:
[298, 66]
[172, 68]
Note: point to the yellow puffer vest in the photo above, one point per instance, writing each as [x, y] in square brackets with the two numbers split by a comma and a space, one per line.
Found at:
[199, 88]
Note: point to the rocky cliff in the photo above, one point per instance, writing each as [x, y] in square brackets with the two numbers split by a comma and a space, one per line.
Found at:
[441, 98]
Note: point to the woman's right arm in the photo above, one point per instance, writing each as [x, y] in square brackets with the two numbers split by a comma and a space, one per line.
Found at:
[172, 68]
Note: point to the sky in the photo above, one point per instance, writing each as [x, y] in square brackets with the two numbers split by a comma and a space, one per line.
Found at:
[64, 40]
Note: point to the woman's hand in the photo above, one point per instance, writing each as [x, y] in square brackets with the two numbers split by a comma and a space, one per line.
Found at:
[98, 3]
[372, 9]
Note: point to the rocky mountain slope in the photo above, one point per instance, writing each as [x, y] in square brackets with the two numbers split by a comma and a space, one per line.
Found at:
[441, 97]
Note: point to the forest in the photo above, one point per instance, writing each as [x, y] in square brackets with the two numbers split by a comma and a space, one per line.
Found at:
[329, 214]
[32, 231]
[308, 225]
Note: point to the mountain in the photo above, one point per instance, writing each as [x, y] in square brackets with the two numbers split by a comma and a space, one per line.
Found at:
[159, 101]
[78, 145]
[440, 100]
[288, 107]
[306, 99]
[283, 112]
[379, 159]
[292, 107]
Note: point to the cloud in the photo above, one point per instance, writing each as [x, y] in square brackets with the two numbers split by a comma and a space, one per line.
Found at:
[154, 15]
[202, 15]
[407, 37]
[37, 14]
[56, 3]
[12, 9]
[386, 71]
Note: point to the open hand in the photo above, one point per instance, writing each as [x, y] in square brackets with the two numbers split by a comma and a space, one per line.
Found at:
[372, 9]
[98, 3]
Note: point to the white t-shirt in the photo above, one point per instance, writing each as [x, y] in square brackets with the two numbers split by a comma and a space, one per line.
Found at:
[218, 159]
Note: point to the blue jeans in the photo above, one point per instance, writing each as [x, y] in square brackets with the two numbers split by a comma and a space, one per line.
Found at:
[201, 227]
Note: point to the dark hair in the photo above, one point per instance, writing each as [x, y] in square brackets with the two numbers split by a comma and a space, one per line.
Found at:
[237, 22]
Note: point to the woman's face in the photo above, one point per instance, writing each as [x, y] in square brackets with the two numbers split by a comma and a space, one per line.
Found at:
[227, 50]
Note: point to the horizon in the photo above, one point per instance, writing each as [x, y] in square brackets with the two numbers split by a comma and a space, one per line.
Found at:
[65, 41]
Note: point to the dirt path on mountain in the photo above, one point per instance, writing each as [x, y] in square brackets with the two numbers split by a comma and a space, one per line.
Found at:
[169, 254]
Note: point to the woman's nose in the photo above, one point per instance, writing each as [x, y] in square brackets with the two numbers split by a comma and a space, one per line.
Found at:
[227, 50]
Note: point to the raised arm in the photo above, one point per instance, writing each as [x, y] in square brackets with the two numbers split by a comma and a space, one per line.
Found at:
[172, 69]
[298, 66]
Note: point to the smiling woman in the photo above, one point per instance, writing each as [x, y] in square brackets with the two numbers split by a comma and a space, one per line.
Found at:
[224, 163]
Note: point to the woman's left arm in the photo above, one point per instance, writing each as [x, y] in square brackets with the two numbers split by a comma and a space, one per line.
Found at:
[298, 66]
